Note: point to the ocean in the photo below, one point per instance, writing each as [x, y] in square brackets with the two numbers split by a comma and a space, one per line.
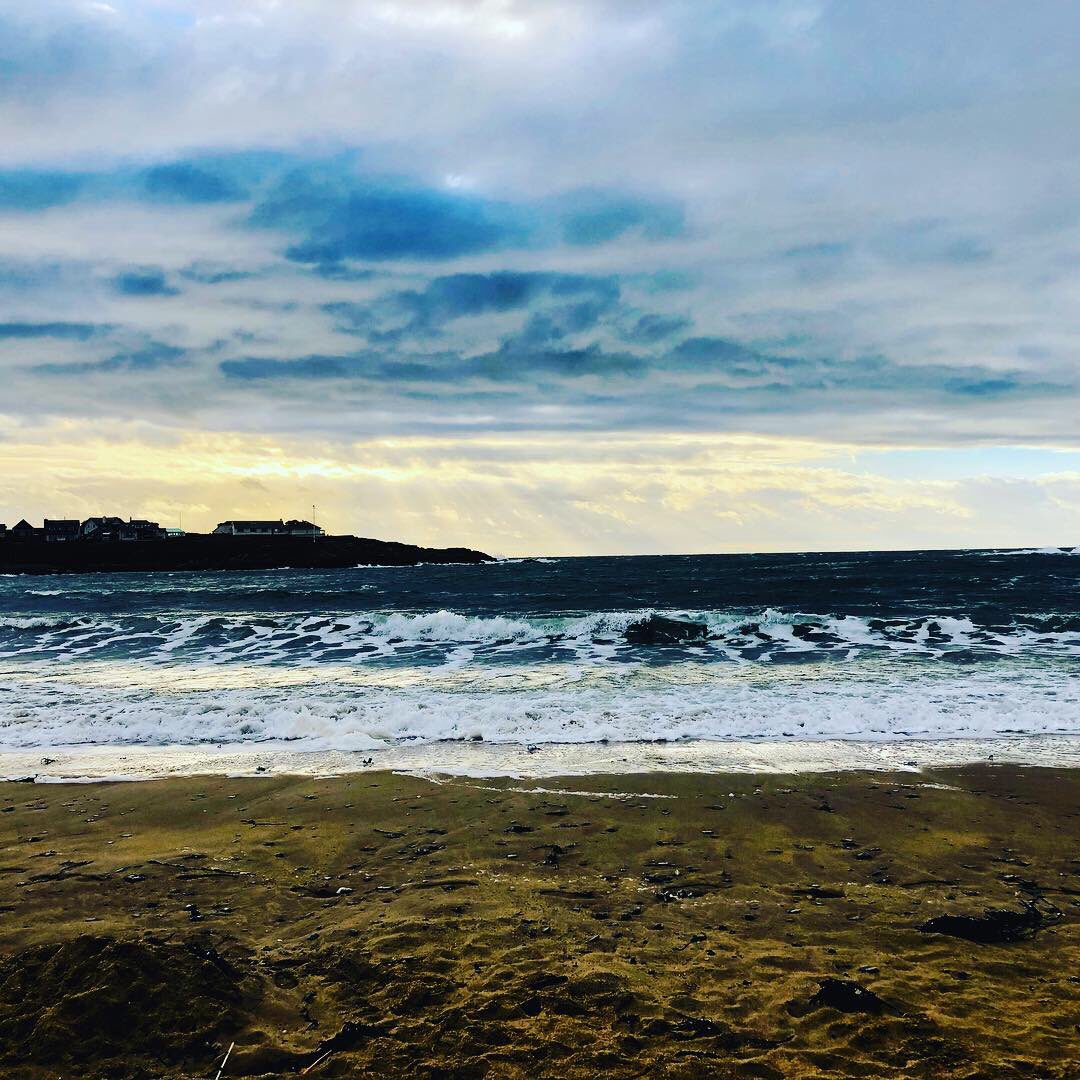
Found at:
[867, 646]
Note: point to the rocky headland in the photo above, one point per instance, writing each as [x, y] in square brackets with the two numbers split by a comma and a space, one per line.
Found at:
[208, 552]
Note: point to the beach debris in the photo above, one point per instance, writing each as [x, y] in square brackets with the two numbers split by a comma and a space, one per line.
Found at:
[692, 890]
[317, 1061]
[554, 853]
[224, 1061]
[658, 630]
[996, 926]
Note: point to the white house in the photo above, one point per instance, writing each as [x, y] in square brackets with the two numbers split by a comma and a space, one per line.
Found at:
[268, 528]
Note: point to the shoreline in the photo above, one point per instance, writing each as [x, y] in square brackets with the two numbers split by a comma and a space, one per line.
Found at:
[71, 764]
[663, 924]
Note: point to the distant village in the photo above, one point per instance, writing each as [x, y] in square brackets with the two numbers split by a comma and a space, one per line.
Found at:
[114, 529]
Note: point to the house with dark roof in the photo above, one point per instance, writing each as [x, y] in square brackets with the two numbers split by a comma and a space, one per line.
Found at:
[141, 529]
[250, 528]
[293, 527]
[23, 530]
[58, 530]
[102, 528]
[303, 528]
[116, 529]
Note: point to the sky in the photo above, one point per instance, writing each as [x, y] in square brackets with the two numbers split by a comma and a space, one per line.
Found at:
[546, 277]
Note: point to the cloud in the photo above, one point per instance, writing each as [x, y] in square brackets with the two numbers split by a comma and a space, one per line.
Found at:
[702, 382]
[72, 331]
[357, 219]
[588, 218]
[34, 189]
[501, 217]
[143, 281]
[457, 295]
[651, 329]
[186, 182]
[301, 367]
[151, 357]
[206, 274]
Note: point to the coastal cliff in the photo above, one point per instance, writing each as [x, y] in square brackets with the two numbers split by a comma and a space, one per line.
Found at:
[203, 552]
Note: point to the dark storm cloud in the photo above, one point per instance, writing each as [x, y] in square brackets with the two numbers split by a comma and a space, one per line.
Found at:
[512, 362]
[547, 307]
[341, 216]
[456, 295]
[185, 181]
[651, 329]
[301, 367]
[330, 212]
[204, 180]
[37, 189]
[697, 376]
[69, 331]
[143, 281]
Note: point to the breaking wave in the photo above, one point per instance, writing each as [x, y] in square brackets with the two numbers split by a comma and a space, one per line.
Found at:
[767, 636]
[913, 645]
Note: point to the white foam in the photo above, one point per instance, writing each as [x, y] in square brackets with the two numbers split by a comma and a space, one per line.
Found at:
[339, 710]
[437, 761]
[1037, 551]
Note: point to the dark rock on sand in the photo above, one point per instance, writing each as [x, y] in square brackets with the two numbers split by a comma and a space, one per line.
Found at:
[657, 630]
[844, 996]
[996, 926]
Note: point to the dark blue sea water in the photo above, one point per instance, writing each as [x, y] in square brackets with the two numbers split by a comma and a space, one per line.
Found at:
[874, 646]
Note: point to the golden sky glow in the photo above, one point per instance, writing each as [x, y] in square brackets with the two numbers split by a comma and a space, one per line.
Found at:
[518, 495]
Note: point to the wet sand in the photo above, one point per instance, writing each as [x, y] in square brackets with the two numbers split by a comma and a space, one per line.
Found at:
[652, 925]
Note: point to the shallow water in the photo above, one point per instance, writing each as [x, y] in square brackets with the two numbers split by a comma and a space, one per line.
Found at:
[912, 645]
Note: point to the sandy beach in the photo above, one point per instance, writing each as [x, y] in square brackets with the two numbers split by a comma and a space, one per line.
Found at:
[647, 924]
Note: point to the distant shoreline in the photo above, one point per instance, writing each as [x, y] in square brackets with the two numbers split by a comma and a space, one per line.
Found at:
[206, 552]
